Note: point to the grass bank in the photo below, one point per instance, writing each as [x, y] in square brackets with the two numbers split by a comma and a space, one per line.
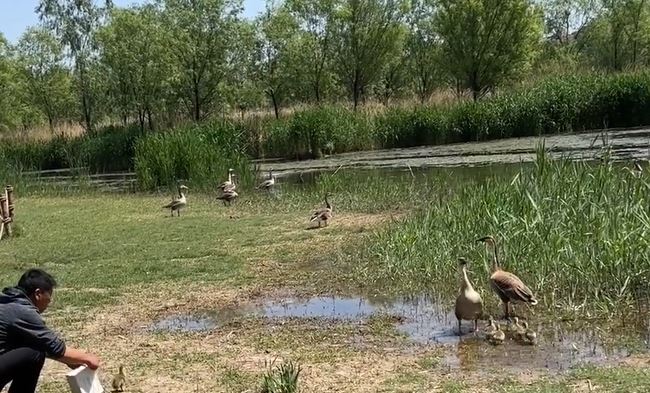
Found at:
[124, 264]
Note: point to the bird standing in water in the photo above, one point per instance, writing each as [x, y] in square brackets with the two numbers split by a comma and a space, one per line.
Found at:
[507, 286]
[469, 305]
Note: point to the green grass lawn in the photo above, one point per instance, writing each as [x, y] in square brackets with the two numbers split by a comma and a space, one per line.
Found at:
[123, 263]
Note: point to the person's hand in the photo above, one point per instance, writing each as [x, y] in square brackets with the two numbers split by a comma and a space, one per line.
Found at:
[92, 361]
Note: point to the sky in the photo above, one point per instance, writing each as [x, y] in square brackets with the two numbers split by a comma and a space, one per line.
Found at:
[17, 15]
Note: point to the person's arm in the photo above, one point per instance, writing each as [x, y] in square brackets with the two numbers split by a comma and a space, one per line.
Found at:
[31, 327]
[75, 357]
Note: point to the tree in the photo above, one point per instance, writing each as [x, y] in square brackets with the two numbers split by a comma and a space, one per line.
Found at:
[618, 37]
[367, 37]
[276, 27]
[75, 23]
[8, 104]
[485, 42]
[311, 47]
[423, 49]
[134, 51]
[201, 37]
[48, 85]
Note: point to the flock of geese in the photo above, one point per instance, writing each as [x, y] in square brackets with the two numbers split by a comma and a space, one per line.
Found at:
[508, 287]
[228, 194]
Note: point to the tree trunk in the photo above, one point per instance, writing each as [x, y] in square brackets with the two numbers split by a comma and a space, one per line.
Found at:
[150, 119]
[276, 107]
[197, 105]
[50, 120]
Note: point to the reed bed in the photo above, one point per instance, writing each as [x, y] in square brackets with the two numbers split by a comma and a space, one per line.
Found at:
[578, 233]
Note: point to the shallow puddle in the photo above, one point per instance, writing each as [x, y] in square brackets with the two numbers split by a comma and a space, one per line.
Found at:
[426, 321]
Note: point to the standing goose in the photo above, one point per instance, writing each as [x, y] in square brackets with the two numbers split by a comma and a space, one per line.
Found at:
[268, 183]
[119, 381]
[178, 203]
[228, 195]
[323, 214]
[228, 184]
[507, 286]
[469, 305]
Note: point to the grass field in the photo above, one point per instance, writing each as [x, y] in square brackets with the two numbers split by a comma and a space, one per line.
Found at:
[123, 264]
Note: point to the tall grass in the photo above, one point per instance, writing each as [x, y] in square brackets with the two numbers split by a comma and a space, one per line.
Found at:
[282, 378]
[575, 232]
[199, 156]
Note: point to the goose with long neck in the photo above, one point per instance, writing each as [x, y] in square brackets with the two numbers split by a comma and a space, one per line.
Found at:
[469, 305]
[322, 215]
[228, 184]
[268, 183]
[507, 286]
[178, 203]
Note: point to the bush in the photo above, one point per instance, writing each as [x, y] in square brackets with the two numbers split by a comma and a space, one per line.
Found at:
[323, 130]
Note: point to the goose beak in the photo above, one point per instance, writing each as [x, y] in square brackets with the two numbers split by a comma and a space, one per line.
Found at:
[485, 239]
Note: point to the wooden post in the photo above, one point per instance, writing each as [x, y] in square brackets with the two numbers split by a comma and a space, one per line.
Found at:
[10, 200]
[5, 214]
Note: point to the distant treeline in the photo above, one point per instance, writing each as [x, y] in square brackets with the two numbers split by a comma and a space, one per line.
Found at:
[203, 152]
[170, 62]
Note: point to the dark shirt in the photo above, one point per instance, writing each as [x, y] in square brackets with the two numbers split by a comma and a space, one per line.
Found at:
[22, 326]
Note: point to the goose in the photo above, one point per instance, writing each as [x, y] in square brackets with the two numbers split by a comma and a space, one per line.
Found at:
[268, 183]
[323, 214]
[228, 184]
[498, 337]
[518, 331]
[119, 380]
[178, 203]
[507, 286]
[490, 329]
[530, 336]
[228, 196]
[469, 305]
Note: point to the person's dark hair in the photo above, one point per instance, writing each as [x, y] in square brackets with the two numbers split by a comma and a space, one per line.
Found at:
[34, 279]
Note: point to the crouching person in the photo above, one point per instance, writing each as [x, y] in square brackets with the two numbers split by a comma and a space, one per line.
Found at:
[25, 341]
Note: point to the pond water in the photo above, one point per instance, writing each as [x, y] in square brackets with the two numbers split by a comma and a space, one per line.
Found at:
[425, 321]
[629, 144]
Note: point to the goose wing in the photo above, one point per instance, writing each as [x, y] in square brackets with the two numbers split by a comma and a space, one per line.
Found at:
[320, 213]
[511, 286]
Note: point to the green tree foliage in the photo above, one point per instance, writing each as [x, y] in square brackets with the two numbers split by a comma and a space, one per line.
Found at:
[486, 42]
[311, 46]
[75, 24]
[423, 49]
[276, 28]
[139, 67]
[48, 85]
[201, 36]
[367, 38]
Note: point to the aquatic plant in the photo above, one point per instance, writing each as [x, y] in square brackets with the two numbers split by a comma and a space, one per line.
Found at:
[282, 378]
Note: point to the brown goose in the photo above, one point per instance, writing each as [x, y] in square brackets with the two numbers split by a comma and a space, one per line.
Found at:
[469, 305]
[119, 381]
[228, 196]
[178, 203]
[507, 286]
[322, 215]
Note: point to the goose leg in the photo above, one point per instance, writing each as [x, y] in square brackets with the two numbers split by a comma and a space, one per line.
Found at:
[459, 332]
[506, 306]
[475, 325]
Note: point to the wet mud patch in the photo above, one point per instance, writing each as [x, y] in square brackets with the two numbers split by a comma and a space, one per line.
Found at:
[418, 324]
